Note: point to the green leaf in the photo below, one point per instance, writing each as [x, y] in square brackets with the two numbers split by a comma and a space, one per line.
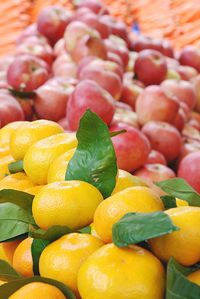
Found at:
[9, 288]
[16, 166]
[94, 160]
[14, 221]
[178, 286]
[137, 227]
[180, 188]
[7, 273]
[85, 230]
[19, 198]
[169, 201]
[38, 245]
[52, 234]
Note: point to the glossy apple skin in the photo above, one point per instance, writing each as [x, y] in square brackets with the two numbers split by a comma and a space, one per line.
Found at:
[52, 22]
[196, 85]
[120, 50]
[95, 6]
[164, 138]
[190, 56]
[132, 148]
[106, 74]
[27, 72]
[154, 104]
[190, 171]
[156, 157]
[52, 97]
[150, 67]
[10, 109]
[130, 92]
[117, 27]
[89, 95]
[183, 90]
[155, 172]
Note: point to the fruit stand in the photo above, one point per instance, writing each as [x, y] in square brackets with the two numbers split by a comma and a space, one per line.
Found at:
[100, 149]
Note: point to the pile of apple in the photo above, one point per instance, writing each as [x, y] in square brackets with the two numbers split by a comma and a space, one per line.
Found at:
[68, 62]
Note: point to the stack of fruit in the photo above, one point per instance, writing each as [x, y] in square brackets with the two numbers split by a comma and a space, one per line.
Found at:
[95, 128]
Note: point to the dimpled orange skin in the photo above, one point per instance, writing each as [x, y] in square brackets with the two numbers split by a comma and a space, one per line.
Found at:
[183, 245]
[38, 290]
[133, 199]
[22, 258]
[70, 203]
[194, 277]
[17, 181]
[41, 154]
[6, 132]
[34, 190]
[62, 259]
[23, 137]
[126, 180]
[58, 167]
[116, 273]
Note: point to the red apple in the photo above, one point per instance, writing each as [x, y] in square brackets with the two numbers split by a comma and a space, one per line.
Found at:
[84, 63]
[43, 52]
[64, 124]
[115, 58]
[150, 67]
[188, 148]
[183, 90]
[94, 5]
[120, 50]
[52, 22]
[27, 73]
[154, 104]
[180, 119]
[89, 95]
[164, 138]
[52, 97]
[59, 48]
[190, 56]
[196, 84]
[30, 31]
[106, 74]
[190, 171]
[10, 109]
[27, 107]
[130, 92]
[67, 70]
[124, 114]
[117, 27]
[131, 148]
[186, 72]
[190, 133]
[156, 157]
[79, 12]
[155, 172]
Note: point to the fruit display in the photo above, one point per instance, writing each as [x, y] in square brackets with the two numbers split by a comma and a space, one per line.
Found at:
[99, 161]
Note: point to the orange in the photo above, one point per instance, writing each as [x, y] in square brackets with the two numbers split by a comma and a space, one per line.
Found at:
[133, 199]
[4, 151]
[9, 249]
[23, 137]
[17, 181]
[42, 153]
[22, 258]
[70, 203]
[58, 168]
[62, 259]
[38, 290]
[34, 190]
[184, 244]
[4, 162]
[195, 277]
[6, 131]
[116, 273]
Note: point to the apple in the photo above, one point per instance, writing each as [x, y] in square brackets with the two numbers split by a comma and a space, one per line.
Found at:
[164, 138]
[52, 22]
[196, 85]
[190, 56]
[155, 172]
[189, 170]
[67, 70]
[59, 47]
[172, 63]
[131, 148]
[167, 48]
[27, 107]
[30, 31]
[52, 97]
[117, 27]
[64, 124]
[124, 114]
[41, 51]
[97, 23]
[186, 72]
[106, 74]
[180, 119]
[115, 58]
[89, 95]
[154, 104]
[172, 74]
[195, 116]
[190, 133]
[27, 72]
[10, 109]
[119, 49]
[81, 11]
[156, 157]
[188, 148]
[150, 67]
[183, 90]
[130, 92]
[94, 5]
[82, 41]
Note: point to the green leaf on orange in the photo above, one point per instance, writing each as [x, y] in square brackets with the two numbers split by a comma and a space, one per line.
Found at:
[180, 188]
[38, 245]
[51, 234]
[134, 228]
[94, 160]
[168, 201]
[7, 273]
